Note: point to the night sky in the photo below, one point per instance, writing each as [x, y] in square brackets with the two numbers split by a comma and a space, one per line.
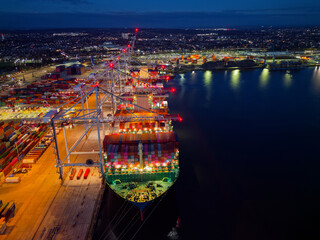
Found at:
[27, 14]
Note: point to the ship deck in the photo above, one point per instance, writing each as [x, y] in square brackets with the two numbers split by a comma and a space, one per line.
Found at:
[140, 192]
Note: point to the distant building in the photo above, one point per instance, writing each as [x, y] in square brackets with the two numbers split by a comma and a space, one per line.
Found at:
[125, 35]
[75, 69]
[110, 46]
[60, 68]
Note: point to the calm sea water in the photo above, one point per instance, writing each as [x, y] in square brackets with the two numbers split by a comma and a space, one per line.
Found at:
[249, 154]
[249, 161]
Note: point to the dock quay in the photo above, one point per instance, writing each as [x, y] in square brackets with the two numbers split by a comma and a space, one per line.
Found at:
[48, 208]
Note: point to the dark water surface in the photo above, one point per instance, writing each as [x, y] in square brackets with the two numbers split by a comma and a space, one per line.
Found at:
[249, 161]
[249, 154]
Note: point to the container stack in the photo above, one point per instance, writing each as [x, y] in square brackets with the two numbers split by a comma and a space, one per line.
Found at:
[16, 142]
[23, 113]
[51, 92]
[33, 155]
[159, 151]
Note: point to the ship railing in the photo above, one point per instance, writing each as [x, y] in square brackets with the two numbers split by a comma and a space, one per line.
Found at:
[174, 117]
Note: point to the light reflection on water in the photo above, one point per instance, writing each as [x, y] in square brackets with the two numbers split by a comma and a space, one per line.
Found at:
[269, 132]
[316, 79]
[193, 76]
[181, 83]
[182, 79]
[235, 79]
[264, 78]
[287, 79]
[208, 76]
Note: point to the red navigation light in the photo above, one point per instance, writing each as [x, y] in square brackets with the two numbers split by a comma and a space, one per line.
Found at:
[173, 90]
[136, 30]
[128, 45]
[167, 78]
[124, 50]
[163, 66]
[180, 119]
[111, 65]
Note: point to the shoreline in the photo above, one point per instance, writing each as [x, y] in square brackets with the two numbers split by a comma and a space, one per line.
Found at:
[185, 69]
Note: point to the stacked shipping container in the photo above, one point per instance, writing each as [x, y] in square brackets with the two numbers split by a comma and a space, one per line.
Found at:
[159, 151]
[17, 141]
[53, 92]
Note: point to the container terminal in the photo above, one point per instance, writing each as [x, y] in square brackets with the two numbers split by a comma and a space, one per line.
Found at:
[64, 140]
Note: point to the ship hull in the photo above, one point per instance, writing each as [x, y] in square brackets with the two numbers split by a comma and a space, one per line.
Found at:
[142, 189]
[118, 215]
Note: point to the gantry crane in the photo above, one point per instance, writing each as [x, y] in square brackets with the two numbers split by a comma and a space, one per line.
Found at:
[106, 87]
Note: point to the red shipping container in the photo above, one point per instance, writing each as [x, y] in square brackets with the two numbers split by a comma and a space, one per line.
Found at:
[13, 162]
[86, 173]
[79, 173]
[7, 169]
[73, 173]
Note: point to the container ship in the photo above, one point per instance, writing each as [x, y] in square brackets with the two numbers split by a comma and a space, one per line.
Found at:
[142, 151]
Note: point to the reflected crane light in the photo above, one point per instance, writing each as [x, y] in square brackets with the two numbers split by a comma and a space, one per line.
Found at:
[264, 77]
[207, 77]
[287, 79]
[235, 78]
[316, 78]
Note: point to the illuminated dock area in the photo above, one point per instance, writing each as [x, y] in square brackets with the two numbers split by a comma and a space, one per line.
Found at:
[46, 208]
